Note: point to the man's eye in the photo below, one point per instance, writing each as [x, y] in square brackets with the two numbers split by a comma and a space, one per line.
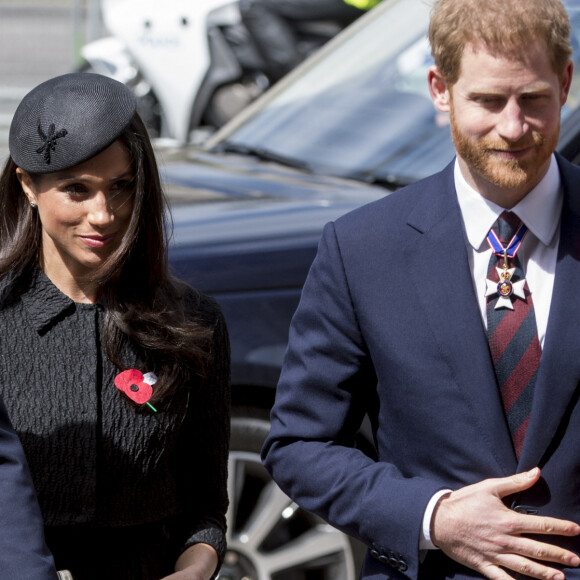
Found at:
[532, 97]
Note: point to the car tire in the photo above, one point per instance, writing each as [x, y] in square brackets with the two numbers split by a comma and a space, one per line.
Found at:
[269, 536]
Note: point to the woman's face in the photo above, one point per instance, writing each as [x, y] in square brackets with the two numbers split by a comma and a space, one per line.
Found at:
[84, 211]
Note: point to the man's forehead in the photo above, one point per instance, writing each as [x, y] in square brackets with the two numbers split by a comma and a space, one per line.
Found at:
[516, 51]
[533, 58]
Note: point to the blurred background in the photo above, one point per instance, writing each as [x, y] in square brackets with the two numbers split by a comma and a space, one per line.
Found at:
[192, 65]
[39, 39]
[348, 126]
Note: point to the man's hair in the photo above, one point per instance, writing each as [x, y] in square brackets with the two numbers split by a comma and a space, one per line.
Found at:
[503, 26]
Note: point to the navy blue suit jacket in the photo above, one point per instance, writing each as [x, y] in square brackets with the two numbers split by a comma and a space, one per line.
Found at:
[23, 553]
[388, 325]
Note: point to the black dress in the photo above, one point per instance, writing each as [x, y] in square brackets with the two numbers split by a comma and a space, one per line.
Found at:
[123, 489]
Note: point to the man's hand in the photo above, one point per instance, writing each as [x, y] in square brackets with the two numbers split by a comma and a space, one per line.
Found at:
[474, 527]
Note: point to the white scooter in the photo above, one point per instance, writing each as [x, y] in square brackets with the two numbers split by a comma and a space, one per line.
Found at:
[175, 56]
[191, 63]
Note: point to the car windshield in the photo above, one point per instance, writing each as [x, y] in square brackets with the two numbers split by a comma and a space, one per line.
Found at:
[363, 109]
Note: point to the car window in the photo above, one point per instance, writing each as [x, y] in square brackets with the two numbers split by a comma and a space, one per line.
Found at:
[364, 109]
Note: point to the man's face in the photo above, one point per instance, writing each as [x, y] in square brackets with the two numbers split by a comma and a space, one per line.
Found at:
[505, 119]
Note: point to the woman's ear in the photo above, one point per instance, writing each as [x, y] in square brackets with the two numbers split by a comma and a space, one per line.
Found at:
[26, 184]
[438, 89]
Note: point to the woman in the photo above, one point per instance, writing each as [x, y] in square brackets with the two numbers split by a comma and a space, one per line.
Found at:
[115, 374]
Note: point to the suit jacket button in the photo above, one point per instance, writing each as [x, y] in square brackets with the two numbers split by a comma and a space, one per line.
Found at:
[403, 566]
[394, 562]
[375, 554]
[384, 559]
[522, 509]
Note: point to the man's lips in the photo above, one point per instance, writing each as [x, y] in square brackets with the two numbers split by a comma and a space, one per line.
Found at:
[509, 154]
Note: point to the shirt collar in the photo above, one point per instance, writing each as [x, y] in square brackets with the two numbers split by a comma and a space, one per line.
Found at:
[540, 209]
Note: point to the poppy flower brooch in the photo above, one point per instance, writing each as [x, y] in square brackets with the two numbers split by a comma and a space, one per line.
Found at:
[137, 386]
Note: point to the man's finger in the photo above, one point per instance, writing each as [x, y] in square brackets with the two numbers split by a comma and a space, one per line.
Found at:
[529, 567]
[548, 526]
[542, 552]
[516, 483]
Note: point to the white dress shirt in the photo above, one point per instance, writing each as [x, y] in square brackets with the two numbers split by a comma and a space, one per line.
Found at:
[540, 210]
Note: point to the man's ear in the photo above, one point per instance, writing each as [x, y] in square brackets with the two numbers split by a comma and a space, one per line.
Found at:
[26, 184]
[438, 89]
[566, 81]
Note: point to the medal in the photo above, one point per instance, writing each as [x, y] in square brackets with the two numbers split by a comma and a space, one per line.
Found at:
[506, 288]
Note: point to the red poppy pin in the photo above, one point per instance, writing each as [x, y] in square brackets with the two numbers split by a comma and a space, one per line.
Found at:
[136, 385]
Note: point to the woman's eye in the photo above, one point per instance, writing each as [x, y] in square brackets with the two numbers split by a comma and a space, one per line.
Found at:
[122, 187]
[75, 189]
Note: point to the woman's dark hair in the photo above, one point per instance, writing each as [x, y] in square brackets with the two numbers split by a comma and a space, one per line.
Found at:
[143, 304]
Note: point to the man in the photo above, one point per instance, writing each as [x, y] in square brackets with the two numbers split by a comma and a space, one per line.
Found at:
[272, 25]
[23, 553]
[419, 314]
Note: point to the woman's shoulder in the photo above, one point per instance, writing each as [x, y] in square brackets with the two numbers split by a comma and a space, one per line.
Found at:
[13, 284]
[6, 286]
[205, 312]
[198, 304]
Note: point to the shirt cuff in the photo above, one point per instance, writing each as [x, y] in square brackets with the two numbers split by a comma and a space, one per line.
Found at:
[425, 542]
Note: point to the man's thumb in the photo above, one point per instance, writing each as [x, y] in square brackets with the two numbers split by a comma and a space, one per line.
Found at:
[519, 482]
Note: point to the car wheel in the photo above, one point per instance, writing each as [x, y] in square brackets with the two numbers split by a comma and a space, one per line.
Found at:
[269, 536]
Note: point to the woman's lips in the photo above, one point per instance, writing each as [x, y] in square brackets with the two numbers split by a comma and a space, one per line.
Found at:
[98, 241]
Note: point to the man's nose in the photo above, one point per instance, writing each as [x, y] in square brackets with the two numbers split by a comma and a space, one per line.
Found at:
[512, 124]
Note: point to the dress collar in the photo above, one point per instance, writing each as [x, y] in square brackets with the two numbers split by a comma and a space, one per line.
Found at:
[44, 303]
[540, 209]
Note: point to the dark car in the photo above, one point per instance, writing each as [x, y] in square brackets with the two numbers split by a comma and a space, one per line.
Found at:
[349, 126]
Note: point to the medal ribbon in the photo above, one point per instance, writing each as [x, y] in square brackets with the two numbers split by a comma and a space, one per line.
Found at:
[512, 248]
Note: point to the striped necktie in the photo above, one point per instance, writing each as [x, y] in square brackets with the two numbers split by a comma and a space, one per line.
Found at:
[513, 336]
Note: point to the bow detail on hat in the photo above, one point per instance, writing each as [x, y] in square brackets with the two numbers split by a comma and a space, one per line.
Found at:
[49, 140]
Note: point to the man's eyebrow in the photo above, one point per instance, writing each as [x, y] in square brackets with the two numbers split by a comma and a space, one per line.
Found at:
[538, 87]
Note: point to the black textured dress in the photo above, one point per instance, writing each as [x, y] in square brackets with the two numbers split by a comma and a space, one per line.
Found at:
[123, 489]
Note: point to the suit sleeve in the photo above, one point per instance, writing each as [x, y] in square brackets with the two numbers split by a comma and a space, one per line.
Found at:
[326, 387]
[23, 552]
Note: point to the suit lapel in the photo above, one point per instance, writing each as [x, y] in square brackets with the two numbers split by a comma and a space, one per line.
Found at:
[559, 370]
[438, 264]
[438, 267]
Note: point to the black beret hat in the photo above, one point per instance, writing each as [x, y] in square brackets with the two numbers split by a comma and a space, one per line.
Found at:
[67, 120]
